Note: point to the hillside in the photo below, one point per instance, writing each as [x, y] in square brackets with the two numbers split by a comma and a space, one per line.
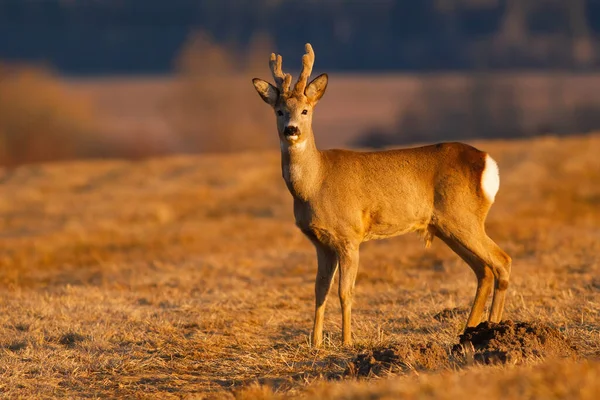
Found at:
[185, 276]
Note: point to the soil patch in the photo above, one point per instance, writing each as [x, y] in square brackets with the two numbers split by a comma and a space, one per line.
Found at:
[429, 356]
[513, 342]
[71, 339]
[488, 343]
[450, 313]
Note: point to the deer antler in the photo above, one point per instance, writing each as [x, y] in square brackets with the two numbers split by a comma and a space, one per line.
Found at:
[308, 61]
[283, 81]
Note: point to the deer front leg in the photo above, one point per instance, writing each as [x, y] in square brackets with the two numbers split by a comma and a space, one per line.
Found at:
[348, 259]
[327, 265]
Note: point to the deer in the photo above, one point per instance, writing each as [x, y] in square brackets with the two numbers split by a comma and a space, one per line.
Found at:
[342, 198]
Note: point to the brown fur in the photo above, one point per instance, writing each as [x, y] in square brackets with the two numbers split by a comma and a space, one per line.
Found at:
[343, 198]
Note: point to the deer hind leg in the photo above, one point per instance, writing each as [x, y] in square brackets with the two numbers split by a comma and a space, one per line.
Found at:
[348, 259]
[472, 236]
[485, 279]
[500, 292]
[327, 265]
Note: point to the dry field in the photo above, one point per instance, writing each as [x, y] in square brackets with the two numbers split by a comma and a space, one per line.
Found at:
[185, 277]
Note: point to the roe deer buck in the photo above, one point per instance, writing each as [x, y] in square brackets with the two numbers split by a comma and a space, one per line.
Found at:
[343, 198]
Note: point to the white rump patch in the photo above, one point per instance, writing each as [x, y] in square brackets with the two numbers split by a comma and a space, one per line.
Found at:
[490, 178]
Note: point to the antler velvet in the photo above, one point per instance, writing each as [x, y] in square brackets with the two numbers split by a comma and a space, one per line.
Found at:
[308, 61]
[283, 81]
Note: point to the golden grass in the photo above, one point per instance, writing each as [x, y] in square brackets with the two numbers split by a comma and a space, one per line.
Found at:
[550, 380]
[185, 277]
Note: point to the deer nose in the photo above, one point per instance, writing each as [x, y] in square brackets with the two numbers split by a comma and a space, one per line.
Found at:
[291, 130]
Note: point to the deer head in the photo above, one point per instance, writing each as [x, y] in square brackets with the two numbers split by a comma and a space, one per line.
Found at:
[293, 108]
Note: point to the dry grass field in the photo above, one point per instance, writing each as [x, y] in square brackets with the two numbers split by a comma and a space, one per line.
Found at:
[185, 277]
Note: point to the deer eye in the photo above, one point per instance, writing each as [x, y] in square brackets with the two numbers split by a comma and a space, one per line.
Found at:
[280, 113]
[304, 112]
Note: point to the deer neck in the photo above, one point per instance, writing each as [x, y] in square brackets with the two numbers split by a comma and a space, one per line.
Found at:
[301, 166]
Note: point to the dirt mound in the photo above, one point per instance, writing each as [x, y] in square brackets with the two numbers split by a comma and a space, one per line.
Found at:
[70, 339]
[488, 343]
[429, 356]
[513, 342]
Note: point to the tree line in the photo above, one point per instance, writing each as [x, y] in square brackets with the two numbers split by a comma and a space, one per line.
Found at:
[131, 36]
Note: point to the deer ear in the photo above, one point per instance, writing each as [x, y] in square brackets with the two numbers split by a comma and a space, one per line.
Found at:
[316, 89]
[267, 92]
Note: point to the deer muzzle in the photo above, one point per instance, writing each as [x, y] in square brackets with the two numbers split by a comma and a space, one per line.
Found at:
[291, 132]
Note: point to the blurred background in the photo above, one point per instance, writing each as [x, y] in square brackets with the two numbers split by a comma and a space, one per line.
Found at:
[137, 78]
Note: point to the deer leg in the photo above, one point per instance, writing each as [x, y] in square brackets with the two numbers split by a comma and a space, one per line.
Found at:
[499, 295]
[348, 259]
[501, 269]
[473, 238]
[485, 279]
[327, 265]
